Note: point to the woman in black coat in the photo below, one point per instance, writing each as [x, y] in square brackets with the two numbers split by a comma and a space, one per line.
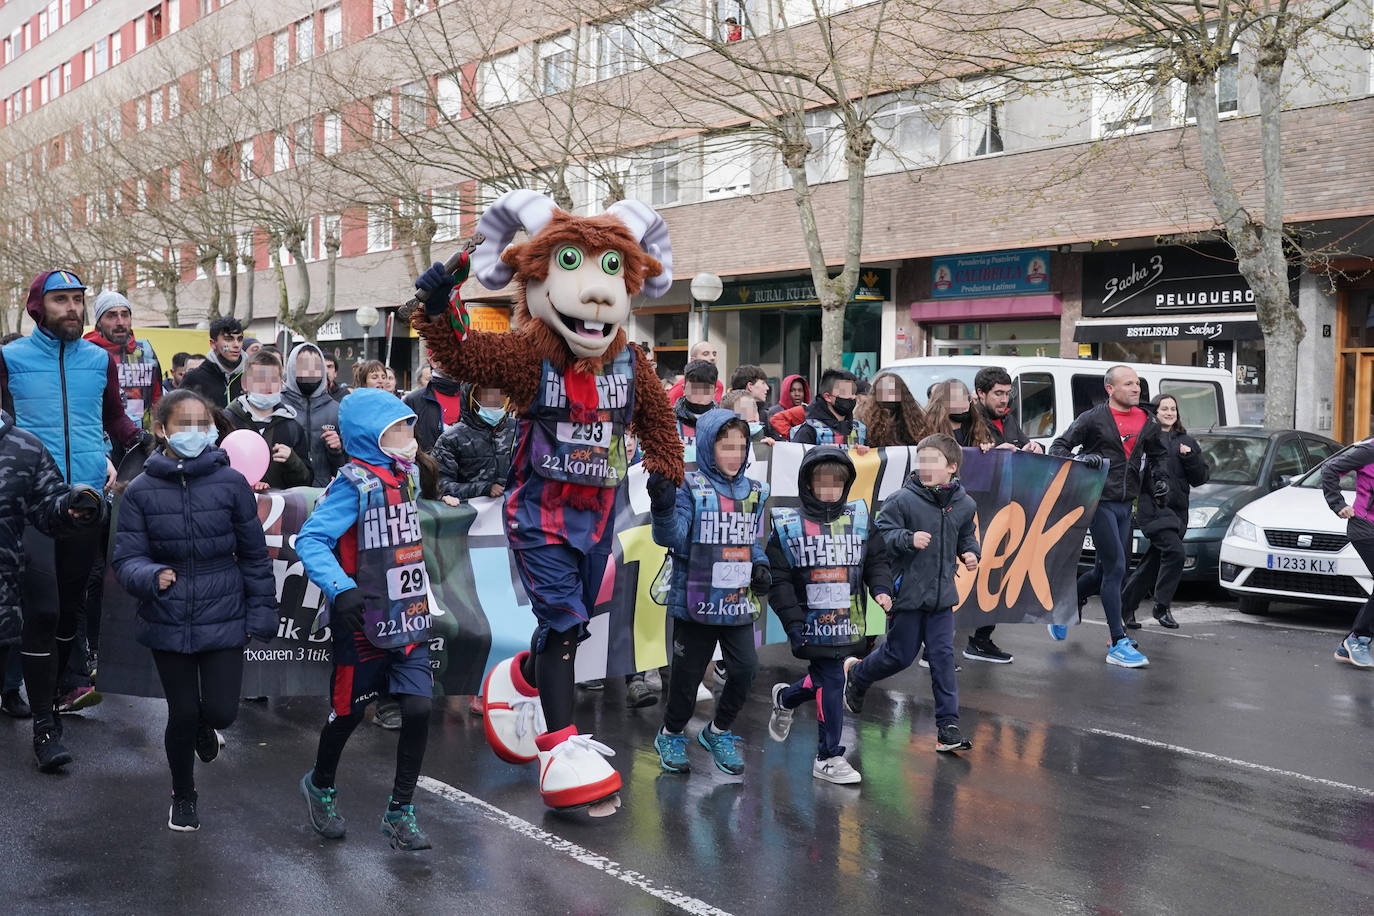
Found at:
[190, 547]
[1184, 468]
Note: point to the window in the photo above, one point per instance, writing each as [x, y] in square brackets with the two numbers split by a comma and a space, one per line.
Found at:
[1125, 101]
[613, 49]
[1228, 91]
[1035, 400]
[413, 108]
[155, 22]
[141, 113]
[224, 76]
[661, 176]
[1199, 403]
[333, 28]
[281, 152]
[207, 85]
[378, 229]
[556, 64]
[116, 48]
[66, 12]
[305, 141]
[331, 225]
[1318, 450]
[155, 107]
[67, 77]
[54, 82]
[382, 15]
[42, 24]
[907, 135]
[102, 55]
[248, 66]
[87, 63]
[498, 80]
[173, 17]
[281, 51]
[333, 133]
[825, 161]
[726, 169]
[450, 96]
[985, 129]
[305, 38]
[174, 183]
[446, 209]
[140, 33]
[246, 160]
[381, 117]
[1288, 461]
[42, 91]
[173, 100]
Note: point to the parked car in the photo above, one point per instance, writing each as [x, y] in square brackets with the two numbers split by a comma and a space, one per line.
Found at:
[1290, 546]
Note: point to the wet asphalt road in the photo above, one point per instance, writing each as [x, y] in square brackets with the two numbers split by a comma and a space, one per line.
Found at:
[1232, 776]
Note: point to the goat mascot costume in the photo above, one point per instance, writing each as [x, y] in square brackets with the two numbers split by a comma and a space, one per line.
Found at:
[579, 387]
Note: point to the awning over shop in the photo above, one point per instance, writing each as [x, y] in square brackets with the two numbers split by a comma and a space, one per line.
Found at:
[991, 308]
[1212, 327]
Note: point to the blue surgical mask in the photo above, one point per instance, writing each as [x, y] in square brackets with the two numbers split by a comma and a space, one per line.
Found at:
[492, 415]
[264, 401]
[191, 442]
[755, 428]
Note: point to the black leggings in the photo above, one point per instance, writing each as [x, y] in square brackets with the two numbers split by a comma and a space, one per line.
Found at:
[1361, 534]
[50, 626]
[410, 747]
[1159, 572]
[551, 673]
[201, 689]
[693, 645]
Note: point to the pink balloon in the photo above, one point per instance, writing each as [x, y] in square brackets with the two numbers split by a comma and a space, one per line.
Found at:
[248, 454]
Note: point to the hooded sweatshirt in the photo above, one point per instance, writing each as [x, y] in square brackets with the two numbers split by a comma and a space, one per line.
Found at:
[279, 428]
[364, 414]
[788, 595]
[314, 412]
[140, 374]
[674, 529]
[785, 401]
[213, 380]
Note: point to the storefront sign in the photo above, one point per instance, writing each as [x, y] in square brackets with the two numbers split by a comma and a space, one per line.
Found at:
[490, 318]
[875, 285]
[993, 273]
[1217, 329]
[1158, 281]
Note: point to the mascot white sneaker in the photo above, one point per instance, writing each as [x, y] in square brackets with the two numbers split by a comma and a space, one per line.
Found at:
[573, 772]
[512, 717]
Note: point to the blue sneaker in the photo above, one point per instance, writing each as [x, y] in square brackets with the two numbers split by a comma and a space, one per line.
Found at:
[672, 752]
[1355, 650]
[1059, 632]
[401, 828]
[1126, 655]
[324, 811]
[722, 748]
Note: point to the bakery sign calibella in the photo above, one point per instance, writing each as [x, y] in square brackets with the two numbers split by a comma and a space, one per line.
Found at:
[1163, 281]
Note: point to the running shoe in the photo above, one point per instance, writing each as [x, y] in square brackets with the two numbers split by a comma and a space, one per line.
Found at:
[853, 696]
[78, 699]
[323, 805]
[209, 742]
[925, 662]
[780, 719]
[1354, 650]
[401, 828]
[722, 748]
[1059, 632]
[985, 650]
[836, 770]
[1126, 655]
[388, 714]
[948, 738]
[182, 816]
[47, 744]
[672, 752]
[638, 695]
[13, 705]
[718, 672]
[594, 684]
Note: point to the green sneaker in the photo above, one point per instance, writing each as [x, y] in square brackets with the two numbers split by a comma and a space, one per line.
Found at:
[324, 812]
[400, 827]
[722, 748]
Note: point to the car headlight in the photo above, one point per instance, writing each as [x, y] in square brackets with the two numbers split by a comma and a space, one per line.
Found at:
[1243, 530]
[1202, 516]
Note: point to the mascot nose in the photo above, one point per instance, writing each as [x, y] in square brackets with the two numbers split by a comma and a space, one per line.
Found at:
[599, 296]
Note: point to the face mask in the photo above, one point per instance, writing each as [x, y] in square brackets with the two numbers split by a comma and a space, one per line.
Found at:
[191, 442]
[491, 415]
[405, 454]
[755, 428]
[698, 409]
[445, 386]
[264, 401]
[307, 386]
[844, 406]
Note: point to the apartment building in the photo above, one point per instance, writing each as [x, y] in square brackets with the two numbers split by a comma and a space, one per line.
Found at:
[998, 218]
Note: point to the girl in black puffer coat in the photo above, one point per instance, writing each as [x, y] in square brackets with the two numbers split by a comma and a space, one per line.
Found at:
[190, 547]
[1184, 467]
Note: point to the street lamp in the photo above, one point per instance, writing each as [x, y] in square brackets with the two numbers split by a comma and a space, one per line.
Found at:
[706, 288]
[367, 318]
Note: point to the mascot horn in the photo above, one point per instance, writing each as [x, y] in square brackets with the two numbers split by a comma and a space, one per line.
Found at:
[579, 388]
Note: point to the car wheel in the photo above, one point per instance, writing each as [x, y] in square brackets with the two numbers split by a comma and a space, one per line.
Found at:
[1249, 604]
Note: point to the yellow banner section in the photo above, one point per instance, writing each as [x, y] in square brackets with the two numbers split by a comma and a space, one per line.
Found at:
[167, 342]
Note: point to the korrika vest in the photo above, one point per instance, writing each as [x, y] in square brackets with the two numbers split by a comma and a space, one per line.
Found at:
[720, 558]
[137, 376]
[830, 557]
[591, 454]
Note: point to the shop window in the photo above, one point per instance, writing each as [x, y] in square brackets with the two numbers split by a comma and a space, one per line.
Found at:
[1035, 397]
[1199, 403]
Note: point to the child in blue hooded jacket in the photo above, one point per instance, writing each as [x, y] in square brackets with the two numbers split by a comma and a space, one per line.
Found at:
[720, 574]
[361, 546]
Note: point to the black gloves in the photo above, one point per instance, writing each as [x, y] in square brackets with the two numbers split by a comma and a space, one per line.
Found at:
[1089, 459]
[438, 283]
[1161, 491]
[86, 504]
[796, 636]
[347, 615]
[662, 493]
[761, 580]
[144, 442]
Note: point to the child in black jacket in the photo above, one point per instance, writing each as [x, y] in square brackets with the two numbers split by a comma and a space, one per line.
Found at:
[927, 527]
[821, 559]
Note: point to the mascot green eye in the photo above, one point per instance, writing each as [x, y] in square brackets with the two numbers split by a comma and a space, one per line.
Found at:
[570, 258]
[610, 263]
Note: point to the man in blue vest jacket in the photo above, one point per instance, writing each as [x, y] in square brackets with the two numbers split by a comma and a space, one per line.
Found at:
[65, 391]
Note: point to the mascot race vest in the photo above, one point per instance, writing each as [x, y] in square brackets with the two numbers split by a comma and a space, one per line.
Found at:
[391, 561]
[830, 557]
[720, 559]
[825, 435]
[137, 376]
[591, 454]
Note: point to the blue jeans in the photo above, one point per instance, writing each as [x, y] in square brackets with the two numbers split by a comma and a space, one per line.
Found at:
[906, 632]
[1111, 531]
[823, 683]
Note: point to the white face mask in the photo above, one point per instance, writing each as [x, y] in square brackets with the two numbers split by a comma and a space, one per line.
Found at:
[405, 454]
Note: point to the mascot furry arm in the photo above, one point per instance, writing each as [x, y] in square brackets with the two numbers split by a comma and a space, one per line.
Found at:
[575, 276]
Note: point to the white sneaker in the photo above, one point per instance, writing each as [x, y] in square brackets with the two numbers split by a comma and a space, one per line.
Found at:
[511, 717]
[575, 773]
[704, 694]
[836, 770]
[780, 719]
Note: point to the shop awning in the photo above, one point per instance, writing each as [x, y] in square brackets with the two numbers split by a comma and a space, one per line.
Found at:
[1210, 327]
[992, 308]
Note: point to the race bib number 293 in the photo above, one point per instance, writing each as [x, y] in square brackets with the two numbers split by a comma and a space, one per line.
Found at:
[598, 434]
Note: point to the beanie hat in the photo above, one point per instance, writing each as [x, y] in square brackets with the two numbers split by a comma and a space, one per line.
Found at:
[110, 299]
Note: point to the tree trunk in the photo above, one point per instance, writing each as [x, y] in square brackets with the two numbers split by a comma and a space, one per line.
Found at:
[250, 264]
[233, 261]
[173, 313]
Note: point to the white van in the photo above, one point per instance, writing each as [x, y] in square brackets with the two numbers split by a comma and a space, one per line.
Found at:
[1047, 393]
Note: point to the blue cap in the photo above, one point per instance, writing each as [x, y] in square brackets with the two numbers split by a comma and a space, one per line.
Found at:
[62, 279]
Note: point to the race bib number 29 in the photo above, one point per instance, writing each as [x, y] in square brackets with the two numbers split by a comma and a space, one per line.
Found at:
[406, 581]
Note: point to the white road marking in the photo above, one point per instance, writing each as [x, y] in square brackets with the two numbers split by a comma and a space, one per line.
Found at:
[523, 827]
[1244, 764]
